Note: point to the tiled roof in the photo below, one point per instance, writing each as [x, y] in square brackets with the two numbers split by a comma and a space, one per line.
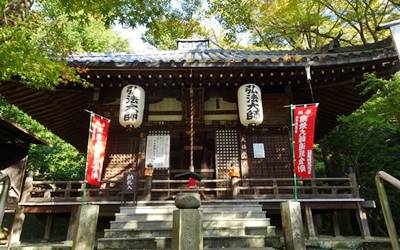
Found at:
[226, 58]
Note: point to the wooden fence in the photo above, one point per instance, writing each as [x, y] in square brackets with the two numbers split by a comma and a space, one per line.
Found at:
[234, 188]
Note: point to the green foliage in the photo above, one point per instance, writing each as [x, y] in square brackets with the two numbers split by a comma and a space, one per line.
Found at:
[180, 22]
[128, 12]
[33, 51]
[36, 37]
[164, 33]
[319, 164]
[60, 161]
[25, 57]
[368, 141]
[303, 24]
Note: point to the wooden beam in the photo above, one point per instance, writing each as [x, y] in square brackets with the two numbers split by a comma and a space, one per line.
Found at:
[16, 228]
[310, 222]
[47, 227]
[363, 221]
[335, 222]
[29, 97]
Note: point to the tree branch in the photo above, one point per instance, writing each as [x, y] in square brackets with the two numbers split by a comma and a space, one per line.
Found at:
[262, 38]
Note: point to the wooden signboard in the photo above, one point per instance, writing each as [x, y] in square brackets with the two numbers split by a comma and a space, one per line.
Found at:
[157, 149]
[129, 186]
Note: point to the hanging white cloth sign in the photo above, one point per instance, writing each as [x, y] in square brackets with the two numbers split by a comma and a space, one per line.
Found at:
[131, 106]
[157, 151]
[250, 105]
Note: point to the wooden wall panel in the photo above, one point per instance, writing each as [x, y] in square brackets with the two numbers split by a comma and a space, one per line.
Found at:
[121, 154]
[275, 114]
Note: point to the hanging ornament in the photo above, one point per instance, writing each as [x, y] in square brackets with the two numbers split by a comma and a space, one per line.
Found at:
[250, 105]
[131, 106]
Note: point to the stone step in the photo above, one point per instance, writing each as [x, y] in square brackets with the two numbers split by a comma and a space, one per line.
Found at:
[205, 209]
[242, 248]
[229, 248]
[209, 215]
[217, 242]
[166, 232]
[40, 246]
[214, 223]
[229, 202]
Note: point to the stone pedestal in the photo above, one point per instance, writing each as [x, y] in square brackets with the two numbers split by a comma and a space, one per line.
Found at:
[187, 231]
[187, 226]
[292, 225]
[86, 224]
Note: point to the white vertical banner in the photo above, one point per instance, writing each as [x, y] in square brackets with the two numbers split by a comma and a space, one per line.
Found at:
[157, 151]
[395, 30]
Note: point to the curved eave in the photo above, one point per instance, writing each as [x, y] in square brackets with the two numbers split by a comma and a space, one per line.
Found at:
[253, 61]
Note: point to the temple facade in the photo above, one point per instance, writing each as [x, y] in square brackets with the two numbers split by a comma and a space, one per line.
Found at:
[235, 161]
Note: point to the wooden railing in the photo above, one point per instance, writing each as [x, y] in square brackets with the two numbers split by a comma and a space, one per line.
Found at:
[283, 188]
[234, 188]
[45, 191]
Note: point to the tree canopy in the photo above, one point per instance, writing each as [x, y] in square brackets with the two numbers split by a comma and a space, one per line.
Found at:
[305, 24]
[37, 36]
[368, 141]
[296, 24]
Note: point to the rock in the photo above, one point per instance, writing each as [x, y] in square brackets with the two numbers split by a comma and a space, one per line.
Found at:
[188, 200]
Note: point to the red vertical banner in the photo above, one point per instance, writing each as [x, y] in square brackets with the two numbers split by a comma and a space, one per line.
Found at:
[96, 149]
[303, 136]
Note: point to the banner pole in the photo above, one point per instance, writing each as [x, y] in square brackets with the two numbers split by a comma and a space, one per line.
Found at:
[293, 156]
[87, 153]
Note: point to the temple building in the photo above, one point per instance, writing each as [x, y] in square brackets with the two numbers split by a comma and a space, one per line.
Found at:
[195, 81]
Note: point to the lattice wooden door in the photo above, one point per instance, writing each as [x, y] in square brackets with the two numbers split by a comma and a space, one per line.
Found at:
[276, 163]
[226, 154]
[121, 154]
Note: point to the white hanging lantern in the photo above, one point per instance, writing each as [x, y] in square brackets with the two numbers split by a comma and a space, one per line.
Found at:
[250, 105]
[131, 106]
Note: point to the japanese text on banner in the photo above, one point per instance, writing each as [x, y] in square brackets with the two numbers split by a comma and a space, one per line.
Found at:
[304, 126]
[96, 149]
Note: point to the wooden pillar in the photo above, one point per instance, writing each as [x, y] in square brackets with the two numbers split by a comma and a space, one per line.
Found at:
[47, 227]
[147, 188]
[16, 230]
[19, 217]
[235, 187]
[335, 222]
[142, 151]
[354, 185]
[314, 188]
[72, 223]
[310, 222]
[347, 218]
[363, 221]
[243, 156]
[276, 188]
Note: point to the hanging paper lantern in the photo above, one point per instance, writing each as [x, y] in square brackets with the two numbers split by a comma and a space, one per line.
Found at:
[131, 106]
[250, 105]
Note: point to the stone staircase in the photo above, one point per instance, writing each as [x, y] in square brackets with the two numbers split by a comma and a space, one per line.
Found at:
[233, 225]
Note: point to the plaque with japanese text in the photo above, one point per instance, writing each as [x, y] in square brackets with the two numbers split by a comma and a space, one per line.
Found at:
[130, 183]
